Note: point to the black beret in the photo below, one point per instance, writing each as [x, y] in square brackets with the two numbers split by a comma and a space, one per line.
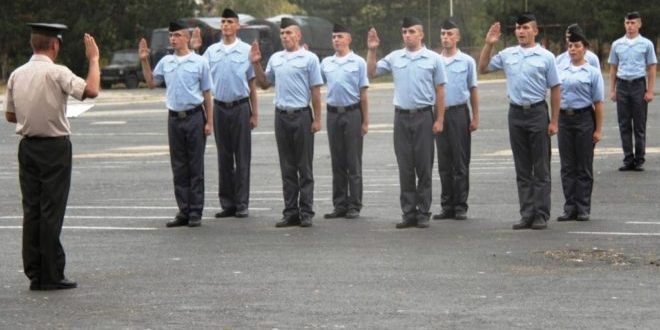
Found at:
[286, 22]
[48, 29]
[574, 28]
[228, 13]
[448, 25]
[525, 18]
[338, 28]
[633, 15]
[578, 36]
[177, 25]
[410, 21]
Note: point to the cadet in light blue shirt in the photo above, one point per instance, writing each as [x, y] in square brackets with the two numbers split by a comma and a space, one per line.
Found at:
[632, 79]
[419, 80]
[580, 128]
[454, 143]
[347, 122]
[235, 114]
[530, 72]
[564, 60]
[296, 74]
[188, 80]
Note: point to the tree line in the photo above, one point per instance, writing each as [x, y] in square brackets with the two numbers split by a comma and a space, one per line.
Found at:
[118, 24]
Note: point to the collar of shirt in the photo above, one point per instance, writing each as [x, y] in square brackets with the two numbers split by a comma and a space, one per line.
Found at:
[343, 59]
[422, 53]
[536, 50]
[227, 49]
[173, 59]
[450, 59]
[41, 58]
[287, 55]
[572, 68]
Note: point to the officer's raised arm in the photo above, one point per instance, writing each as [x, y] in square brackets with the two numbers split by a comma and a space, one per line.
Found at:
[372, 44]
[93, 80]
[259, 75]
[492, 37]
[146, 67]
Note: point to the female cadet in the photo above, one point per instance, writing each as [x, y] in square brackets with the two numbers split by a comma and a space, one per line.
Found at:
[580, 128]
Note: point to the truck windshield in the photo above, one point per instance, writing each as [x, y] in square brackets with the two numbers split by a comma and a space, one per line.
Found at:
[125, 58]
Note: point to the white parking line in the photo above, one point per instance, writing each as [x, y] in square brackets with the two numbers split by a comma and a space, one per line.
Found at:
[643, 222]
[92, 228]
[605, 233]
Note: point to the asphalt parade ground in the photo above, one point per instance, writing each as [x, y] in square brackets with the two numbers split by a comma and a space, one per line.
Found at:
[134, 273]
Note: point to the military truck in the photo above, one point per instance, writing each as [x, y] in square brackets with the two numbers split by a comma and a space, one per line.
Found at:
[124, 68]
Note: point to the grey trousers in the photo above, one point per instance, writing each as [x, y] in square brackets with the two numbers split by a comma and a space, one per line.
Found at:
[187, 144]
[295, 146]
[453, 146]
[413, 146]
[233, 142]
[576, 151]
[345, 139]
[530, 144]
[631, 112]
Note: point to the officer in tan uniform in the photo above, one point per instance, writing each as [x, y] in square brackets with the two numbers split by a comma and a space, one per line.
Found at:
[36, 99]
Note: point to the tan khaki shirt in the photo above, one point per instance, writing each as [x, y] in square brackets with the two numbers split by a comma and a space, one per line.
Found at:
[37, 93]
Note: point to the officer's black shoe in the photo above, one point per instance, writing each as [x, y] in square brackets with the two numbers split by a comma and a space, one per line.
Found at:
[406, 223]
[582, 217]
[335, 214]
[422, 222]
[34, 285]
[627, 167]
[444, 215]
[242, 213]
[288, 221]
[539, 223]
[352, 214]
[522, 224]
[194, 222]
[178, 221]
[61, 285]
[306, 222]
[566, 216]
[460, 215]
[226, 213]
[639, 167]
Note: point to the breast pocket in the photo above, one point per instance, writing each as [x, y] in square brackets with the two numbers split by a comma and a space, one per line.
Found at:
[512, 66]
[216, 57]
[237, 58]
[458, 72]
[190, 74]
[401, 63]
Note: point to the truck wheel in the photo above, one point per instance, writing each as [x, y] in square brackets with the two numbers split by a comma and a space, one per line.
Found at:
[106, 84]
[131, 82]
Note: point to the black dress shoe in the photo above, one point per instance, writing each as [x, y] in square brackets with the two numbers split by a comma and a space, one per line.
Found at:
[61, 285]
[522, 224]
[444, 215]
[422, 222]
[178, 221]
[226, 213]
[460, 215]
[352, 214]
[34, 285]
[639, 167]
[194, 222]
[627, 167]
[406, 223]
[288, 221]
[335, 214]
[242, 213]
[582, 217]
[566, 216]
[306, 222]
[539, 223]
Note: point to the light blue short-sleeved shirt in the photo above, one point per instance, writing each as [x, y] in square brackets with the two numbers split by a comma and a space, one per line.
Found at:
[345, 77]
[632, 56]
[461, 77]
[415, 78]
[185, 80]
[564, 60]
[529, 73]
[581, 86]
[231, 70]
[293, 74]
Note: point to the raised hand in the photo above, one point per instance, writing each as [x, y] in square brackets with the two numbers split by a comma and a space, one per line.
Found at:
[255, 52]
[91, 49]
[143, 49]
[372, 39]
[196, 39]
[494, 33]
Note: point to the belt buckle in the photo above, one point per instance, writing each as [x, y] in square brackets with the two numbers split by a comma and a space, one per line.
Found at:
[526, 107]
[340, 109]
[570, 112]
[181, 114]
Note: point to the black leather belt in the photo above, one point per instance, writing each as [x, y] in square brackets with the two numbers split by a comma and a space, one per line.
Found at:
[630, 80]
[332, 108]
[186, 113]
[292, 110]
[458, 106]
[526, 107]
[413, 111]
[232, 103]
[62, 137]
[571, 112]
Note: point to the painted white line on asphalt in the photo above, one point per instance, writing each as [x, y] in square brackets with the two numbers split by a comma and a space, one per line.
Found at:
[612, 233]
[92, 228]
[119, 122]
[643, 222]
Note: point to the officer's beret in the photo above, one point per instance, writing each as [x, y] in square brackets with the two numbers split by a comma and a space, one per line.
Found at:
[410, 21]
[177, 25]
[633, 15]
[286, 22]
[228, 13]
[338, 28]
[448, 25]
[525, 18]
[48, 29]
[574, 28]
[578, 36]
